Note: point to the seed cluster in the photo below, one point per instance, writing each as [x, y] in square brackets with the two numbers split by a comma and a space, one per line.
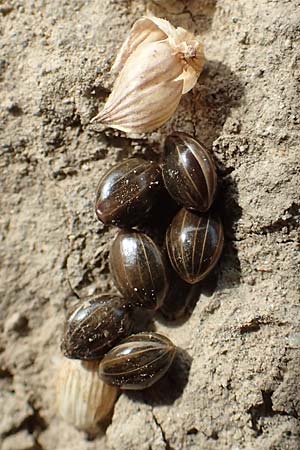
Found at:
[147, 275]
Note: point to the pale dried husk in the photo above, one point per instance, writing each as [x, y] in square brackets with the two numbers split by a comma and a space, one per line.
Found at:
[156, 65]
[83, 400]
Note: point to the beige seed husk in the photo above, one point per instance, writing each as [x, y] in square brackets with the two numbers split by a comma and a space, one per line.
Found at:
[156, 65]
[83, 400]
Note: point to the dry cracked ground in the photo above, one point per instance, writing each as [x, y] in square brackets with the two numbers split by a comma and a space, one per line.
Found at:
[238, 387]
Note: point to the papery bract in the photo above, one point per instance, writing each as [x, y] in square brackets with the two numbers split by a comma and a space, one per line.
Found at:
[156, 65]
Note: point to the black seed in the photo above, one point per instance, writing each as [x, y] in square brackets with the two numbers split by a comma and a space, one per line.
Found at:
[189, 172]
[95, 325]
[138, 269]
[194, 243]
[127, 192]
[138, 362]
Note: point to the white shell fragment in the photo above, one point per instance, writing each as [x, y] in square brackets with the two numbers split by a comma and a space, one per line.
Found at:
[156, 65]
[83, 400]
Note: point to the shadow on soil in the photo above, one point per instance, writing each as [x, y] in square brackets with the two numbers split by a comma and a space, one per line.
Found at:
[168, 388]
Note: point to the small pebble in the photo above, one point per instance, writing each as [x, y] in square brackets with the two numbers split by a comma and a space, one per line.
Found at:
[294, 340]
[17, 322]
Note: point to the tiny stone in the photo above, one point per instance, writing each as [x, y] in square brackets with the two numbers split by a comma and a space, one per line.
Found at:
[294, 340]
[6, 9]
[259, 73]
[244, 38]
[251, 281]
[212, 306]
[17, 322]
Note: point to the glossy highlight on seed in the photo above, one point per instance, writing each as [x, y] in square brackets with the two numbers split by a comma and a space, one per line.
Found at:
[127, 192]
[138, 362]
[189, 172]
[194, 243]
[95, 325]
[138, 269]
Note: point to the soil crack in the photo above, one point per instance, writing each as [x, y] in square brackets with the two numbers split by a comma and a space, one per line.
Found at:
[265, 409]
[290, 219]
[35, 424]
[163, 435]
[255, 324]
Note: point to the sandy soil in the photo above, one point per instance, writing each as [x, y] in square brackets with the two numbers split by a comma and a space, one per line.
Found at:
[239, 387]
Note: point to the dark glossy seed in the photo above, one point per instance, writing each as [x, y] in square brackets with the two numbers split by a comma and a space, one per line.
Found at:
[127, 192]
[95, 325]
[194, 242]
[138, 269]
[138, 362]
[189, 172]
[180, 299]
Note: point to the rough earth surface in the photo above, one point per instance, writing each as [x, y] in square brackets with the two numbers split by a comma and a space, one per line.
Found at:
[238, 386]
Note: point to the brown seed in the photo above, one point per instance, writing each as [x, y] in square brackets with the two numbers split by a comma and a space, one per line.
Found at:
[138, 269]
[189, 172]
[94, 326]
[127, 192]
[180, 299]
[194, 242]
[138, 362]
